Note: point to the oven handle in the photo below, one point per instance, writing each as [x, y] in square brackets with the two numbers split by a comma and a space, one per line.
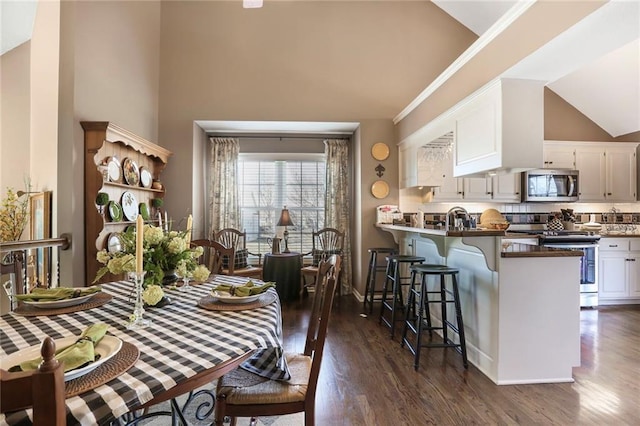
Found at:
[570, 245]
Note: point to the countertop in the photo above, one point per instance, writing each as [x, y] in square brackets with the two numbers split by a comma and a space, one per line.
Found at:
[443, 233]
[526, 250]
[620, 235]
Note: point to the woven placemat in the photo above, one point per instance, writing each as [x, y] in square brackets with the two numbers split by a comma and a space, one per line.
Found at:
[121, 362]
[98, 300]
[213, 304]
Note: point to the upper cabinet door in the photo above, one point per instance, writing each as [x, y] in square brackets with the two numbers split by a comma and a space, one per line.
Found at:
[590, 162]
[621, 174]
[559, 156]
[506, 187]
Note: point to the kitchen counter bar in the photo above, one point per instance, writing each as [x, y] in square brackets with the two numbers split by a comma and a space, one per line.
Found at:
[520, 302]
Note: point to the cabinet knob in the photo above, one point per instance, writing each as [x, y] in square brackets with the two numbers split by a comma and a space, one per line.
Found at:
[613, 245]
[608, 193]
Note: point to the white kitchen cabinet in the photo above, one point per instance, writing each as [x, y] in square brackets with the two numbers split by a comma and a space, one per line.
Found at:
[590, 162]
[621, 170]
[607, 171]
[408, 165]
[559, 156]
[502, 188]
[619, 270]
[506, 187]
[500, 128]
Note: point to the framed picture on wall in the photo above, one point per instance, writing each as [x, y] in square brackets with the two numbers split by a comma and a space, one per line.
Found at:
[40, 220]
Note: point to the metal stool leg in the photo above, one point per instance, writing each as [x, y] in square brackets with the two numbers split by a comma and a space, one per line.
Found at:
[368, 296]
[456, 298]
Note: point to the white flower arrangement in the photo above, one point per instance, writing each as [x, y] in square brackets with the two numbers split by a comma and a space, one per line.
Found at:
[162, 251]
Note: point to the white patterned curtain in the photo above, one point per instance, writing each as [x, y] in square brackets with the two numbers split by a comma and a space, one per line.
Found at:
[336, 203]
[223, 187]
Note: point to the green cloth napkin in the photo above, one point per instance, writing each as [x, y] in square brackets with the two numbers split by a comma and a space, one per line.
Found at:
[248, 289]
[78, 354]
[60, 293]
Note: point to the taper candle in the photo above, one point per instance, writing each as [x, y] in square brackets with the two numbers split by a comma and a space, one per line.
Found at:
[160, 220]
[188, 235]
[139, 243]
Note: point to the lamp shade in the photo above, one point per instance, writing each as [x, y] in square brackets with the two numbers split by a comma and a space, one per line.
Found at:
[285, 218]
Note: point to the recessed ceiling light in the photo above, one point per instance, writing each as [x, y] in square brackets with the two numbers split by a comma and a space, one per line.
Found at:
[251, 4]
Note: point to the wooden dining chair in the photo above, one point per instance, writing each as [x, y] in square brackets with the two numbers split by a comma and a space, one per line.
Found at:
[237, 263]
[244, 394]
[214, 253]
[324, 243]
[42, 389]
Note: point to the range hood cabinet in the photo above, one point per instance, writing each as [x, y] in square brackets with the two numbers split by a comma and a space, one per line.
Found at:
[500, 129]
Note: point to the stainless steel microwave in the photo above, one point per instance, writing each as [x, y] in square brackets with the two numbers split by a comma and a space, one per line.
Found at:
[550, 185]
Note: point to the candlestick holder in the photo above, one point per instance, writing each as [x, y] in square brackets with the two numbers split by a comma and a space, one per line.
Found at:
[136, 321]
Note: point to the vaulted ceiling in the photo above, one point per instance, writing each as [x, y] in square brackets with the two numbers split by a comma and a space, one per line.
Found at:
[594, 66]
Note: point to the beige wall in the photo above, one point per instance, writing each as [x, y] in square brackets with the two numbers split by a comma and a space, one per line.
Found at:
[298, 61]
[45, 45]
[563, 122]
[14, 118]
[110, 55]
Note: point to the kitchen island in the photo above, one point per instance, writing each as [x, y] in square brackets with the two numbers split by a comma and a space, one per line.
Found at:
[520, 303]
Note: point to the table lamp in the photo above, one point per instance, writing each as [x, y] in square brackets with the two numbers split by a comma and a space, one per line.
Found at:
[285, 220]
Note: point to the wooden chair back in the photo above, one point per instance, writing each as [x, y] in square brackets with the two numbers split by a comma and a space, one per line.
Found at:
[237, 240]
[42, 389]
[230, 237]
[329, 268]
[328, 239]
[213, 254]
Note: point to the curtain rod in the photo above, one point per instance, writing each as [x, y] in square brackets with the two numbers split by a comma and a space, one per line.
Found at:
[280, 136]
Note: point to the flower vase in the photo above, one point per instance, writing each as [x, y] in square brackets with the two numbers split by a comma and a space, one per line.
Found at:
[170, 277]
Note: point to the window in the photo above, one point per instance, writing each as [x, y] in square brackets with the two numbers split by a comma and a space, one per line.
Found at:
[267, 185]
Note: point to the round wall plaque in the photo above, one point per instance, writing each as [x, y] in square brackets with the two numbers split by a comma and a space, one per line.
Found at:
[380, 151]
[380, 189]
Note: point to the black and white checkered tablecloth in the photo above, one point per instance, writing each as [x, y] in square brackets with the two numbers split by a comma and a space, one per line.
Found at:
[182, 341]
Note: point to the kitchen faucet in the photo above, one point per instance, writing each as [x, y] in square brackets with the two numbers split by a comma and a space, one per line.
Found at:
[455, 212]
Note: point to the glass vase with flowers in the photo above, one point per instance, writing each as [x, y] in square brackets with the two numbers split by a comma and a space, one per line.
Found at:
[162, 251]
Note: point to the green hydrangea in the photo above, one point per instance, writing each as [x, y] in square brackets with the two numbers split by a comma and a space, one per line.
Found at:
[152, 294]
[122, 264]
[201, 273]
[153, 235]
[177, 245]
[103, 257]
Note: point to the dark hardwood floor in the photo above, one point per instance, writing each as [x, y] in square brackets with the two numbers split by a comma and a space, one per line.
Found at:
[368, 379]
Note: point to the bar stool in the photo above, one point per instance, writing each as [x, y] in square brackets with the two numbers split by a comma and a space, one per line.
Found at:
[374, 267]
[422, 321]
[394, 280]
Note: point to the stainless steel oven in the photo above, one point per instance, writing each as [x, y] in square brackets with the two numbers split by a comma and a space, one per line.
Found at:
[588, 269]
[585, 241]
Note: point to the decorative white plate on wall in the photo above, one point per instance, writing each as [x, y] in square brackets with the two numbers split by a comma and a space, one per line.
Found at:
[129, 204]
[145, 177]
[114, 170]
[380, 189]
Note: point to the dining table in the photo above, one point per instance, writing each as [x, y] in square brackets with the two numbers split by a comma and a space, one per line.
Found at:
[187, 340]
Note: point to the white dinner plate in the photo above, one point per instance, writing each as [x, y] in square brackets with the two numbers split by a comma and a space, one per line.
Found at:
[225, 297]
[106, 348]
[129, 204]
[53, 304]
